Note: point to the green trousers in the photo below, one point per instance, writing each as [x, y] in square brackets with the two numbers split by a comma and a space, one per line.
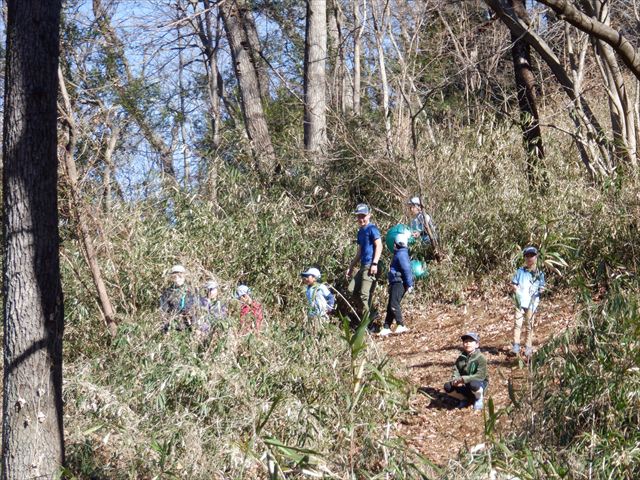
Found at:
[361, 289]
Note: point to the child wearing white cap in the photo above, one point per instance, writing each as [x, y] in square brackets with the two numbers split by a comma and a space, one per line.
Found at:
[422, 225]
[400, 282]
[527, 284]
[320, 299]
[251, 316]
[213, 310]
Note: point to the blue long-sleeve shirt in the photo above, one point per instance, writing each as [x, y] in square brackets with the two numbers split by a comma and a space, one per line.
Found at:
[528, 286]
[400, 269]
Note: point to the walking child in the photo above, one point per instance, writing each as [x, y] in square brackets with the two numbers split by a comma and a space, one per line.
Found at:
[363, 283]
[469, 380]
[251, 316]
[320, 299]
[527, 284]
[400, 282]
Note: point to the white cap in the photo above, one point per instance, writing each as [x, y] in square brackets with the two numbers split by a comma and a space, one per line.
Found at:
[415, 201]
[211, 285]
[177, 269]
[311, 271]
[242, 290]
[403, 238]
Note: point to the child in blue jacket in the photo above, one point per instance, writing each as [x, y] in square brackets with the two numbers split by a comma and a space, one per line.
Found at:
[527, 284]
[400, 282]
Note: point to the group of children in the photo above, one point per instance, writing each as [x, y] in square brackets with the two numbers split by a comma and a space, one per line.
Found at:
[183, 309]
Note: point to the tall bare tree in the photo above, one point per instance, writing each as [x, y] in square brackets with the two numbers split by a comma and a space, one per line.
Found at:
[32, 433]
[526, 91]
[66, 112]
[249, 86]
[315, 53]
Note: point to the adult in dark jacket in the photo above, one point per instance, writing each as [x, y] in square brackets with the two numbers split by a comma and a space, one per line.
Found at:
[178, 304]
[470, 378]
[400, 282]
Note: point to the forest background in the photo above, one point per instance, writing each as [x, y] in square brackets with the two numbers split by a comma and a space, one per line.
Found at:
[236, 137]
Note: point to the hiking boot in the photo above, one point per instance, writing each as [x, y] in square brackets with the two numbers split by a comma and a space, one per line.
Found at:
[478, 404]
[401, 329]
[515, 349]
[384, 332]
[463, 403]
[528, 352]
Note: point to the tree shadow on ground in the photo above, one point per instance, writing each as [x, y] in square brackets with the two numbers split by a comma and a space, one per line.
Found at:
[439, 400]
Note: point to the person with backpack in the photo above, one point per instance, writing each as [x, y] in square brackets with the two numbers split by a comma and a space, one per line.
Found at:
[527, 284]
[178, 304]
[319, 298]
[422, 226]
[400, 282]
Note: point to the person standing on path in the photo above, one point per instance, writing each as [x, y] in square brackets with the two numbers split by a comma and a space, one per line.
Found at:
[527, 284]
[400, 282]
[363, 283]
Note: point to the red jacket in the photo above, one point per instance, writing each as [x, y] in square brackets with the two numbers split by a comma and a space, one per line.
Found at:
[250, 317]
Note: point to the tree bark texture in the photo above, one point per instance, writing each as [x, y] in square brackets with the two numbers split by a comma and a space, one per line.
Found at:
[32, 433]
[254, 118]
[526, 87]
[315, 53]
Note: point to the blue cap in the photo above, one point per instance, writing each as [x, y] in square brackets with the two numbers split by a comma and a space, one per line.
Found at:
[472, 335]
[530, 251]
[362, 209]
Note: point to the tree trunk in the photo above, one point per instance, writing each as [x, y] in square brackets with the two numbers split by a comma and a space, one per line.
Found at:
[315, 53]
[379, 27]
[581, 112]
[255, 50]
[357, 47]
[526, 89]
[72, 176]
[254, 118]
[32, 433]
[592, 26]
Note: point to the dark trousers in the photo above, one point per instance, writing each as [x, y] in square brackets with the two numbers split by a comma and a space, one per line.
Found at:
[467, 389]
[394, 312]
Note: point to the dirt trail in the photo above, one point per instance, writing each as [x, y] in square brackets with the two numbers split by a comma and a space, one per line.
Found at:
[429, 350]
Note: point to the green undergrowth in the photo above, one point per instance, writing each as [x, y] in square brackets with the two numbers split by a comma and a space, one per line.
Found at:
[305, 399]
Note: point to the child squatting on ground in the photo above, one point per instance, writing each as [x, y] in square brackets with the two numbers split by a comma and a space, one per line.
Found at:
[363, 283]
[469, 379]
[400, 282]
[251, 316]
[320, 299]
[527, 284]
